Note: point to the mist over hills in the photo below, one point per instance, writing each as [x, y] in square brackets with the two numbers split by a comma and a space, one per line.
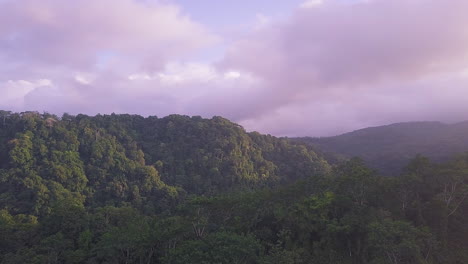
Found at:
[388, 148]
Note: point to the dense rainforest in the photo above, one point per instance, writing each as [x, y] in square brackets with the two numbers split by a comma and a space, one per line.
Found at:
[178, 189]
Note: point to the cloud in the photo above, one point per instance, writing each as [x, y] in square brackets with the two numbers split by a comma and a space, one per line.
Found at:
[183, 88]
[13, 92]
[75, 34]
[88, 48]
[311, 3]
[339, 66]
[439, 97]
[347, 62]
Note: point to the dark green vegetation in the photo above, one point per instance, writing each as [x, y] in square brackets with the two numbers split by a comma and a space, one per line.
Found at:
[128, 189]
[389, 148]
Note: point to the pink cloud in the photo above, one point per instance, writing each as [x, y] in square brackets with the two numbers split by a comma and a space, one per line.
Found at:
[348, 61]
[326, 69]
[73, 34]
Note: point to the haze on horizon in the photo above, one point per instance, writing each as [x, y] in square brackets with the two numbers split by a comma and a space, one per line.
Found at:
[294, 68]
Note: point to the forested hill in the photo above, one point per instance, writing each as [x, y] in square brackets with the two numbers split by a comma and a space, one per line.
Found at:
[389, 148]
[187, 190]
[128, 159]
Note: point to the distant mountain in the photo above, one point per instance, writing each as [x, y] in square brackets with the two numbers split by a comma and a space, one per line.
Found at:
[388, 148]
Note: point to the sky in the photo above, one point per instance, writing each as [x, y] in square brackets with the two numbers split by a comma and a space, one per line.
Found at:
[282, 67]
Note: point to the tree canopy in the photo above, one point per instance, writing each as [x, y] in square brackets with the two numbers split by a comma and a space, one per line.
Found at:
[178, 189]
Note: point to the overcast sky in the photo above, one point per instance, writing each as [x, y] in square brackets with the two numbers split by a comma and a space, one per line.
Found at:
[284, 67]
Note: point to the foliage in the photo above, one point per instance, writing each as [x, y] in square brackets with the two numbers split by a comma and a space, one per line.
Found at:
[128, 189]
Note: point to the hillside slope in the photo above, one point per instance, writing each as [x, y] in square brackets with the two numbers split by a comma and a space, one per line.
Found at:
[131, 160]
[389, 148]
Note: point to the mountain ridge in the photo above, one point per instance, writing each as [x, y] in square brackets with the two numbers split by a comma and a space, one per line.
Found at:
[388, 147]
